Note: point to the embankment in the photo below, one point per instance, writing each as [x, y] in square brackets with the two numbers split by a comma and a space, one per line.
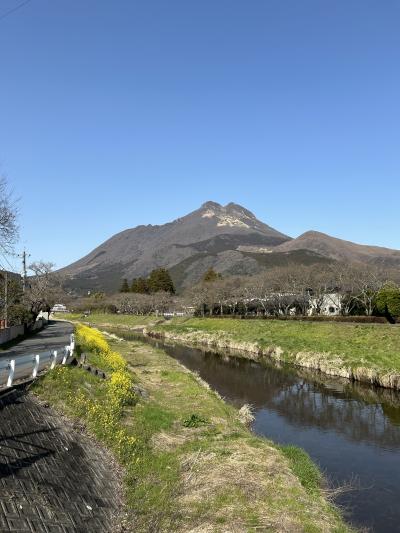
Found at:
[190, 462]
[366, 353]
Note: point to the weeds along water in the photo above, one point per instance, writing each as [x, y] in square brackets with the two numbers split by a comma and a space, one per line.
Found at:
[189, 460]
[351, 430]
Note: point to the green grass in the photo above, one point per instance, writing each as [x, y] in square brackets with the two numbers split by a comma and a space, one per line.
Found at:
[370, 345]
[304, 468]
[110, 319]
[194, 465]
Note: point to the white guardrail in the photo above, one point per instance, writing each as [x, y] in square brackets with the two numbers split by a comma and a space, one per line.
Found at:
[26, 367]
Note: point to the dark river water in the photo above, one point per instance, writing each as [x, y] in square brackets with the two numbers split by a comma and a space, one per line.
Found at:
[351, 431]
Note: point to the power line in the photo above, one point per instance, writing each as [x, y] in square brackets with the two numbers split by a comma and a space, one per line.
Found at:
[14, 9]
[12, 267]
[4, 252]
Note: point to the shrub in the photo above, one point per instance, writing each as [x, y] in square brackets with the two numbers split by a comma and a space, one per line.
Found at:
[92, 340]
[388, 301]
[194, 421]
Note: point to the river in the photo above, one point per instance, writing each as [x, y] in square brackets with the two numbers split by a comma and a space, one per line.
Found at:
[351, 431]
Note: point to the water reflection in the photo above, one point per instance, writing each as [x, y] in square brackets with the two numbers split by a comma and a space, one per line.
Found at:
[302, 402]
[351, 430]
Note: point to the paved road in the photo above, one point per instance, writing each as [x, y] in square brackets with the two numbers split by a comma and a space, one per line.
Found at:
[53, 479]
[54, 336]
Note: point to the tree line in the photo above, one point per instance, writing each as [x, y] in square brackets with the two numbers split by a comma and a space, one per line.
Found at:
[301, 290]
[159, 280]
[280, 292]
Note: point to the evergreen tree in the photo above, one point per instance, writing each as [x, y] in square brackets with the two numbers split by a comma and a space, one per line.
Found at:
[211, 275]
[124, 286]
[160, 280]
[134, 285]
[140, 285]
[388, 301]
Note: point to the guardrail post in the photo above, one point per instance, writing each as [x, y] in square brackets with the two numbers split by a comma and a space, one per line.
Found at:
[36, 365]
[11, 366]
[72, 345]
[66, 354]
[24, 371]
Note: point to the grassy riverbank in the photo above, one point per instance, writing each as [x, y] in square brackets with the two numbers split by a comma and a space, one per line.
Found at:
[365, 352]
[369, 353]
[110, 319]
[190, 463]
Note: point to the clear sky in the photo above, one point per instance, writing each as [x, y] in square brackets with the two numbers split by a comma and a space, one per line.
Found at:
[119, 113]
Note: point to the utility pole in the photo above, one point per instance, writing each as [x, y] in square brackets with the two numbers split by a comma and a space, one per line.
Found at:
[24, 256]
[6, 298]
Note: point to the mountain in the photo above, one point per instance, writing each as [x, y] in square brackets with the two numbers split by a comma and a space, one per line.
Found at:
[340, 250]
[228, 238]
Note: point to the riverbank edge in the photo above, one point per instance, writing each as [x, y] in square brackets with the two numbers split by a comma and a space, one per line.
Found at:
[329, 364]
[291, 454]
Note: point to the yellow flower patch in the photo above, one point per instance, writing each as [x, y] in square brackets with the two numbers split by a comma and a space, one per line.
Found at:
[104, 414]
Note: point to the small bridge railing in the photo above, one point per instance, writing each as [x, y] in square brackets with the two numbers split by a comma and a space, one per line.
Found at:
[27, 367]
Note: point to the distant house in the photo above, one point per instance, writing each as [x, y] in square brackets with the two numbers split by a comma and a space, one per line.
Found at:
[329, 305]
[59, 308]
[185, 311]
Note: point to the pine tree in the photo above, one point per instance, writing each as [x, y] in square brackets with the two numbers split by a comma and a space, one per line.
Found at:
[134, 285]
[160, 280]
[140, 285]
[211, 275]
[124, 286]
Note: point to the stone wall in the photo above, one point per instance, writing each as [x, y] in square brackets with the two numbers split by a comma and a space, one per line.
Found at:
[8, 334]
[11, 333]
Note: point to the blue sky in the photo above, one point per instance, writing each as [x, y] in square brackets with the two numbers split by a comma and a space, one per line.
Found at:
[119, 113]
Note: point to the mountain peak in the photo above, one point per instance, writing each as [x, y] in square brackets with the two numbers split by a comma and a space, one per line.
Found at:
[210, 235]
[230, 208]
[239, 209]
[211, 205]
[314, 233]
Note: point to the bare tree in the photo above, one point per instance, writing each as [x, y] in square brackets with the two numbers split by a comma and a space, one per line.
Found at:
[197, 295]
[367, 285]
[161, 302]
[44, 288]
[261, 291]
[8, 218]
[232, 294]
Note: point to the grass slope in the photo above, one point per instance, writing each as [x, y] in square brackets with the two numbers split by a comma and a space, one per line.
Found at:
[109, 319]
[298, 257]
[370, 351]
[190, 464]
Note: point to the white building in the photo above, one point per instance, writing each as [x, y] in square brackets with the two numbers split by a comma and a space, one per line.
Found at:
[331, 305]
[59, 308]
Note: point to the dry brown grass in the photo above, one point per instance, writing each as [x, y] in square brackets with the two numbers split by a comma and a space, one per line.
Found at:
[228, 479]
[216, 482]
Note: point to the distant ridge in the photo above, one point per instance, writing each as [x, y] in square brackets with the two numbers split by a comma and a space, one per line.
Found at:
[228, 238]
[342, 250]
